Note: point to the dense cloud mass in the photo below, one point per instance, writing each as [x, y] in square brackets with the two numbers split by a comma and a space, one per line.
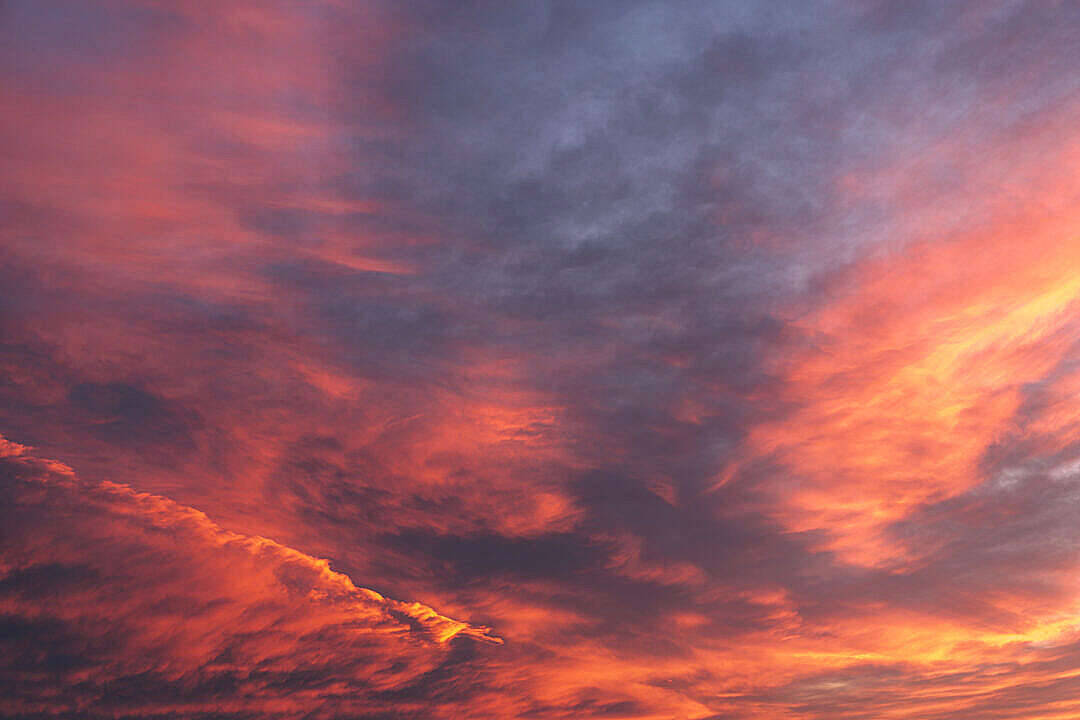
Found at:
[661, 360]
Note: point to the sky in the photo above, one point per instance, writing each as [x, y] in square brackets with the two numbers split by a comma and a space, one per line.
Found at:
[622, 359]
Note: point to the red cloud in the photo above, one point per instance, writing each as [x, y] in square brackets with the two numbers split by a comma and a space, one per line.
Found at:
[122, 589]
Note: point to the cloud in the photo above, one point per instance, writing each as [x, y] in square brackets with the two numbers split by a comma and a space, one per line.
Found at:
[115, 600]
[720, 355]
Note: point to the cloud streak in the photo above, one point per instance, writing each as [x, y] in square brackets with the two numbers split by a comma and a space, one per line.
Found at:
[135, 602]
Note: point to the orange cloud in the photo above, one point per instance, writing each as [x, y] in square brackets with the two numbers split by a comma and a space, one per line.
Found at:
[917, 366]
[134, 585]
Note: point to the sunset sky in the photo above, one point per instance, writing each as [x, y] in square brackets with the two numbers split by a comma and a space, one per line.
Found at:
[553, 360]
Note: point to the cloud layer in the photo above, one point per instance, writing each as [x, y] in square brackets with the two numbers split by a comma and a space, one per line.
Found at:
[719, 357]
